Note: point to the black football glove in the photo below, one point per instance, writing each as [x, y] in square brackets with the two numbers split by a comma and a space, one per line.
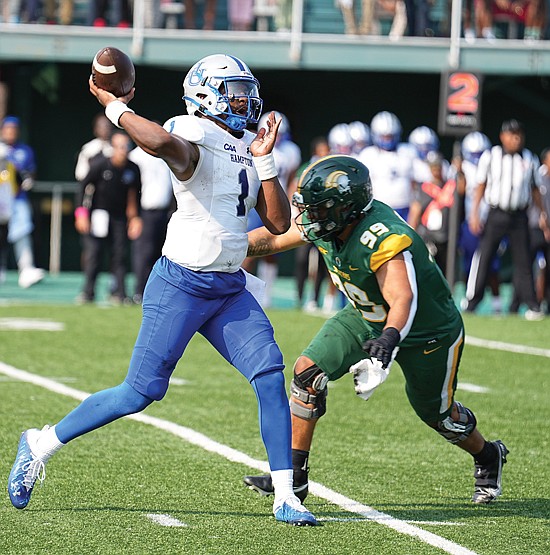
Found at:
[382, 347]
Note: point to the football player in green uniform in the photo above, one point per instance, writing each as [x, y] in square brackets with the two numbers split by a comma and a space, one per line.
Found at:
[400, 308]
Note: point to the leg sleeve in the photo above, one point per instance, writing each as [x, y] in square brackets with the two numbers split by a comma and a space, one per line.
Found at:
[99, 409]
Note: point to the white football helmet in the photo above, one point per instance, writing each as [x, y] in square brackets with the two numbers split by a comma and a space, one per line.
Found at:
[215, 82]
[339, 139]
[385, 130]
[360, 133]
[425, 140]
[284, 128]
[473, 146]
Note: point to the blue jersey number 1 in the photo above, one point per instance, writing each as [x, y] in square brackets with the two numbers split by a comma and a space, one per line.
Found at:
[243, 182]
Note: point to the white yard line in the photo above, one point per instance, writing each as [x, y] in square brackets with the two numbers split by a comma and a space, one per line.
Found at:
[30, 324]
[200, 440]
[166, 520]
[510, 347]
[465, 386]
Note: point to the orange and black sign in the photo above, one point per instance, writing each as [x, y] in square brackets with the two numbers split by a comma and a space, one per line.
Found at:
[459, 103]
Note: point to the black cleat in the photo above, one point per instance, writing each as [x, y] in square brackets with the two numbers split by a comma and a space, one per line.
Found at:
[264, 486]
[488, 478]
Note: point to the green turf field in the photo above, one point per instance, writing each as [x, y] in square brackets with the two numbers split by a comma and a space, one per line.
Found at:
[149, 486]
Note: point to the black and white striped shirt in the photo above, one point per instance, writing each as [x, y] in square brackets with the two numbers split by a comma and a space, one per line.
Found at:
[509, 178]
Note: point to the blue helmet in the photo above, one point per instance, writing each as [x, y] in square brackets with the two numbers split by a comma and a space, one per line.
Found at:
[425, 140]
[339, 139]
[473, 146]
[360, 133]
[217, 81]
[385, 130]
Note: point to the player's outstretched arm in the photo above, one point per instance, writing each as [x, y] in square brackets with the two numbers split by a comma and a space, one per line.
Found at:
[261, 242]
[180, 155]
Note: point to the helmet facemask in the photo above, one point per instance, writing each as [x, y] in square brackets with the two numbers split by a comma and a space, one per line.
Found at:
[324, 220]
[226, 92]
[332, 193]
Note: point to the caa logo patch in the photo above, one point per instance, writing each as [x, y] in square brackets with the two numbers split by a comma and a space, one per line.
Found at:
[227, 146]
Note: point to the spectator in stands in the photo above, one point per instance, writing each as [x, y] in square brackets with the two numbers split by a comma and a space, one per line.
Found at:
[418, 21]
[371, 10]
[530, 13]
[21, 224]
[155, 199]
[240, 14]
[30, 11]
[119, 10]
[208, 15]
[507, 177]
[10, 11]
[59, 11]
[100, 144]
[283, 15]
[107, 214]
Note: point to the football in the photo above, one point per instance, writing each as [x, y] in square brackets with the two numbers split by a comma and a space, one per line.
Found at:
[113, 71]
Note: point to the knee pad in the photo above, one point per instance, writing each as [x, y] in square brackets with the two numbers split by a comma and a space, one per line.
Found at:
[314, 378]
[455, 431]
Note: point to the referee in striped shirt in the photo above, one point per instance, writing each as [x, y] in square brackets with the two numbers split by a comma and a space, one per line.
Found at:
[507, 177]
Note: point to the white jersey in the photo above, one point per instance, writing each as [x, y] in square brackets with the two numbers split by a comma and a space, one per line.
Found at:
[207, 232]
[391, 173]
[287, 158]
[156, 180]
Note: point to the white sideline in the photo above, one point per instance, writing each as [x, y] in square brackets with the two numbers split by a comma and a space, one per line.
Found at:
[200, 440]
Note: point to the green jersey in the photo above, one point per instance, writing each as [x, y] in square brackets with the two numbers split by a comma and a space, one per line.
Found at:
[378, 237]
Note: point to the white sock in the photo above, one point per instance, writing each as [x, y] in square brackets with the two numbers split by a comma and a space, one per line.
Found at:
[282, 484]
[47, 443]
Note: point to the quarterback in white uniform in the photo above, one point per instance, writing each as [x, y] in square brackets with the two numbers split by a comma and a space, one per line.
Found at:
[219, 172]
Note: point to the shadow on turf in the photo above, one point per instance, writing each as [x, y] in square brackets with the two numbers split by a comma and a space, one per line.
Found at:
[538, 508]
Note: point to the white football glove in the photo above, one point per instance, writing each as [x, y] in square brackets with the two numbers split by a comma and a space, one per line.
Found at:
[368, 374]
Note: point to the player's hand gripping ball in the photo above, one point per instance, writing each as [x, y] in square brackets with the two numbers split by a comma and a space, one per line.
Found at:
[113, 71]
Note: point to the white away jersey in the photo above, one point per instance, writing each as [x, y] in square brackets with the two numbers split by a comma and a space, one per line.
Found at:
[207, 232]
[391, 173]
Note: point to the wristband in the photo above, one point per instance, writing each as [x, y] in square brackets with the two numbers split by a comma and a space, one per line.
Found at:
[265, 166]
[81, 211]
[114, 110]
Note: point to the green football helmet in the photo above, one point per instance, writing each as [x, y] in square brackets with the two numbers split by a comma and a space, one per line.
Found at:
[332, 193]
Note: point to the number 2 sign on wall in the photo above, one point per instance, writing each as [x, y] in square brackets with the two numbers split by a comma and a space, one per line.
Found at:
[459, 103]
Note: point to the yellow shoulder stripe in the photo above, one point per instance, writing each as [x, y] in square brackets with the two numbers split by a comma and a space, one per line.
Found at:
[388, 248]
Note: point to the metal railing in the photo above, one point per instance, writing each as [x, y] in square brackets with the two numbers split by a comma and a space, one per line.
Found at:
[56, 189]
